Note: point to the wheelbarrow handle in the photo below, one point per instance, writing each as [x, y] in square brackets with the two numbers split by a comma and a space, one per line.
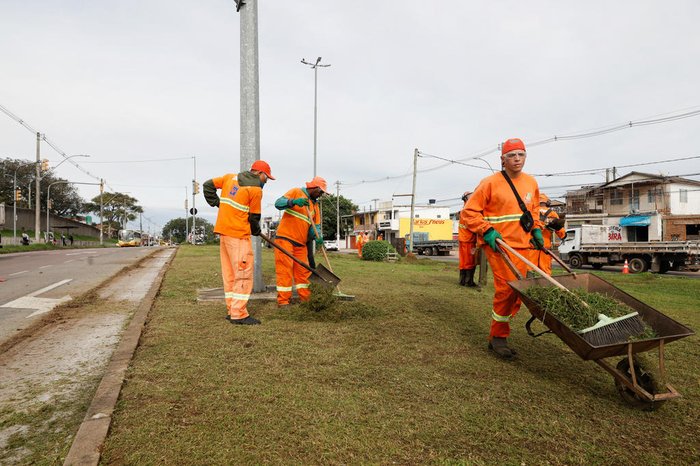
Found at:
[510, 264]
[503, 244]
[558, 259]
[290, 255]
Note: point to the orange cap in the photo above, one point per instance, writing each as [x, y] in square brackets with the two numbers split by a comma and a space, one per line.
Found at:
[544, 199]
[512, 144]
[262, 166]
[317, 182]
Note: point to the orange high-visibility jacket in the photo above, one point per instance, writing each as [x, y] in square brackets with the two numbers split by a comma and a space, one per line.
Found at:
[464, 234]
[295, 223]
[235, 204]
[546, 216]
[493, 204]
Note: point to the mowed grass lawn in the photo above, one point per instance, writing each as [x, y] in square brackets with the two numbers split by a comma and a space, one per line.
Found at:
[402, 375]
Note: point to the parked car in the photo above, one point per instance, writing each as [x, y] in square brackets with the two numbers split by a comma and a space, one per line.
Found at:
[331, 245]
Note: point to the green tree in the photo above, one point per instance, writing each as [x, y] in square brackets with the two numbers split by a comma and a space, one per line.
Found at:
[65, 200]
[177, 228]
[329, 211]
[118, 209]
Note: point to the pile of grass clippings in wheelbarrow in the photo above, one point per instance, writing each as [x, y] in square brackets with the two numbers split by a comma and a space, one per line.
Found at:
[569, 310]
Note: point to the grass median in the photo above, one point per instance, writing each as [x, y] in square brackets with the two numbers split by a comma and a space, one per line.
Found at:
[401, 375]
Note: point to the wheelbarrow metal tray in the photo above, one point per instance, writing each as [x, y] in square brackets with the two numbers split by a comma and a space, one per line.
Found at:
[666, 328]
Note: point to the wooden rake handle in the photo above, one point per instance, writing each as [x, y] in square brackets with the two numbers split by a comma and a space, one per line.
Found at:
[503, 244]
[559, 261]
[318, 235]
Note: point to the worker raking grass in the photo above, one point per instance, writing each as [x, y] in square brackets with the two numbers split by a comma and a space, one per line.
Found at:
[569, 308]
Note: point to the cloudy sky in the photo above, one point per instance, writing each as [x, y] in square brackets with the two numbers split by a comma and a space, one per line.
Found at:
[132, 81]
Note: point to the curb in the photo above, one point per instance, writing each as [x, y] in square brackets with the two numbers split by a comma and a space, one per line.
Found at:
[89, 440]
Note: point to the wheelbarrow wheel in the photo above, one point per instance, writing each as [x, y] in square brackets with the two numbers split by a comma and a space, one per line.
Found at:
[644, 379]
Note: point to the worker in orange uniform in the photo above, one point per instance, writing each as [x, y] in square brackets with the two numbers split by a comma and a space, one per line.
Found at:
[359, 242]
[494, 212]
[467, 249]
[300, 222]
[553, 225]
[238, 218]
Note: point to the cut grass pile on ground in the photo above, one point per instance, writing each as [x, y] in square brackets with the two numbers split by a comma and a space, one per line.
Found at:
[403, 377]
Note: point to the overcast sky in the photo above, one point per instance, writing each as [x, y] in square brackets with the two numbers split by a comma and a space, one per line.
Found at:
[154, 79]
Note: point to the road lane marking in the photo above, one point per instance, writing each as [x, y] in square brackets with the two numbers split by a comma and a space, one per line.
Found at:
[82, 252]
[69, 261]
[50, 287]
[45, 266]
[18, 273]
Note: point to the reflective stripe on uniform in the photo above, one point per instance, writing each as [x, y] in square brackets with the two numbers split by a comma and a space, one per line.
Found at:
[235, 204]
[296, 214]
[499, 318]
[242, 297]
[302, 285]
[504, 218]
[463, 227]
[284, 288]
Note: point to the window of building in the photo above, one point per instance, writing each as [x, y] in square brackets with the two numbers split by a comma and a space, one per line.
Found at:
[616, 197]
[634, 199]
[684, 195]
[439, 216]
[416, 216]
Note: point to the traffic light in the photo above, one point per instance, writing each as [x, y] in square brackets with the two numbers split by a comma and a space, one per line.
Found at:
[195, 187]
[18, 194]
[45, 165]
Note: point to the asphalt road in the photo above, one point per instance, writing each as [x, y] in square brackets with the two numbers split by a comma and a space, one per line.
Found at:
[36, 282]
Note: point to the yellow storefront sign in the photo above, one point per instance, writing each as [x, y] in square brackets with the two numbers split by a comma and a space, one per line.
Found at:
[437, 228]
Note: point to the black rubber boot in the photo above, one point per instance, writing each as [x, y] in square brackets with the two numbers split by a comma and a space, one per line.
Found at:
[246, 321]
[500, 347]
[463, 277]
[470, 278]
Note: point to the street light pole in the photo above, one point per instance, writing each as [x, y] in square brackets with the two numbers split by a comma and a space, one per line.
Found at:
[194, 194]
[315, 67]
[37, 217]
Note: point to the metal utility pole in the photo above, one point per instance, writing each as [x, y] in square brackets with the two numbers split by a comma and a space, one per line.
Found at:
[37, 209]
[194, 194]
[413, 200]
[250, 109]
[187, 216]
[337, 214]
[315, 67]
[102, 189]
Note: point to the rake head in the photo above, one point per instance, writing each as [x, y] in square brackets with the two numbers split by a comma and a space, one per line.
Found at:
[610, 331]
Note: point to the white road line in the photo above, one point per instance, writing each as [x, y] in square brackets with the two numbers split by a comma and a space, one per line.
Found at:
[45, 266]
[82, 252]
[50, 287]
[69, 261]
[18, 273]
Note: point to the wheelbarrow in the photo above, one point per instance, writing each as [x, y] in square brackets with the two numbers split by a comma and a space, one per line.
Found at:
[635, 386]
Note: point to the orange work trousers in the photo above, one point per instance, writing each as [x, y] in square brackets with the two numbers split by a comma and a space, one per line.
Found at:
[289, 271]
[467, 258]
[543, 261]
[506, 302]
[237, 272]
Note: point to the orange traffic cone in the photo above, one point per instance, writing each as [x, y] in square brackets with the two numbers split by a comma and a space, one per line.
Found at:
[626, 268]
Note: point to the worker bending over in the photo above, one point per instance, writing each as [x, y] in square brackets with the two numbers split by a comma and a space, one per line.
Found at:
[494, 212]
[237, 219]
[553, 225]
[299, 224]
[467, 248]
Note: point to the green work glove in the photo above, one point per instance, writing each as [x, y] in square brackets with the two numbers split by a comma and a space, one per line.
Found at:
[491, 236]
[537, 238]
[319, 241]
[300, 201]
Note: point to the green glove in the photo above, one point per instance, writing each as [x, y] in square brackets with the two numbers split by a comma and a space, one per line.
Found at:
[491, 236]
[319, 241]
[300, 201]
[537, 238]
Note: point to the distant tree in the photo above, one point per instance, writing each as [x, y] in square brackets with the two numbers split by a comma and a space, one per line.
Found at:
[65, 200]
[176, 228]
[118, 210]
[328, 209]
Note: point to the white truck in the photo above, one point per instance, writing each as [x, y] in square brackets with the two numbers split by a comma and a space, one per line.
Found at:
[599, 245]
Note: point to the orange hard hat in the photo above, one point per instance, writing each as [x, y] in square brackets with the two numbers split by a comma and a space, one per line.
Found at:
[512, 144]
[262, 166]
[545, 200]
[317, 182]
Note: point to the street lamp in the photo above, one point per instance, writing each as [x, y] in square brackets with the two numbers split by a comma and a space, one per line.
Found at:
[315, 67]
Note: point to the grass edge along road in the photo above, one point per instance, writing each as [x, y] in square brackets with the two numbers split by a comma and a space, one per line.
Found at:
[400, 375]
